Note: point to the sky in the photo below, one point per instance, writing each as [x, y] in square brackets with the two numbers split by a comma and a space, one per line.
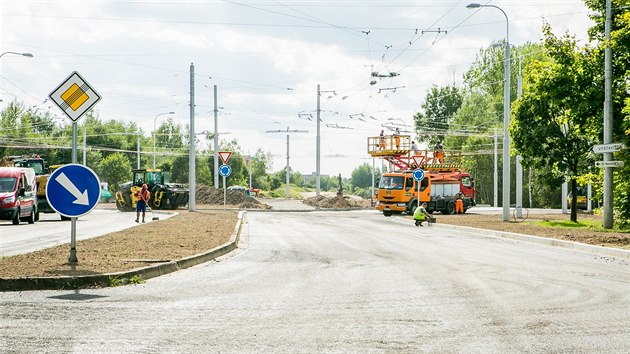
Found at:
[266, 59]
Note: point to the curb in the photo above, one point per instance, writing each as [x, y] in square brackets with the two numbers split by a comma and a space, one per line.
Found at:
[103, 280]
[599, 250]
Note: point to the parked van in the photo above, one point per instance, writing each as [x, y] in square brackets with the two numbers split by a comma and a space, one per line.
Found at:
[18, 195]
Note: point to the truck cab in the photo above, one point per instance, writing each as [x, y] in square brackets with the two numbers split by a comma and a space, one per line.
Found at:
[18, 195]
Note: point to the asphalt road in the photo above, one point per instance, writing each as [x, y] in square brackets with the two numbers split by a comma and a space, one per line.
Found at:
[50, 230]
[344, 282]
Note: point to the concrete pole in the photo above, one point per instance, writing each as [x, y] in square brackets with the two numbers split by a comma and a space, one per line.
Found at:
[529, 188]
[496, 170]
[519, 167]
[506, 125]
[288, 173]
[138, 148]
[191, 150]
[84, 146]
[519, 187]
[216, 140]
[317, 146]
[608, 126]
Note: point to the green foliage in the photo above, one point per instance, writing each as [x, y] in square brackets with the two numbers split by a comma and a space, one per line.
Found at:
[136, 279]
[114, 281]
[439, 106]
[114, 169]
[361, 177]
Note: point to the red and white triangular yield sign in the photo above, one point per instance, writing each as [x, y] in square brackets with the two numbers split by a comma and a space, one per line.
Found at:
[418, 159]
[225, 156]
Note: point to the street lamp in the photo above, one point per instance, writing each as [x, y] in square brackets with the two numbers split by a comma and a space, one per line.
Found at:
[506, 114]
[155, 133]
[28, 55]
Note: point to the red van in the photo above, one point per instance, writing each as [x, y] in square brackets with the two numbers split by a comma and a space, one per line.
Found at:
[18, 195]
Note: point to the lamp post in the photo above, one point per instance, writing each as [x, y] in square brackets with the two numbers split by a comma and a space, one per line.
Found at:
[288, 174]
[506, 114]
[28, 55]
[155, 133]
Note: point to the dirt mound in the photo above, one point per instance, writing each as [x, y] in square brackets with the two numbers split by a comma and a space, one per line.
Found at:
[209, 195]
[323, 201]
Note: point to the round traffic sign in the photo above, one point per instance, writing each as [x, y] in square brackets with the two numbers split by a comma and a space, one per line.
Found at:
[225, 170]
[418, 174]
[73, 190]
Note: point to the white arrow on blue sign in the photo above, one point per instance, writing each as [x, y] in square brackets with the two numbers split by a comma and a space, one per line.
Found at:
[73, 190]
[418, 174]
[225, 170]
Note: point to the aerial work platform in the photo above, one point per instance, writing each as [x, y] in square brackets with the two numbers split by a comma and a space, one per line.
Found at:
[397, 151]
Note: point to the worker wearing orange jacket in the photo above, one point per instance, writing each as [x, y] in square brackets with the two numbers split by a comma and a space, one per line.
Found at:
[459, 203]
[142, 197]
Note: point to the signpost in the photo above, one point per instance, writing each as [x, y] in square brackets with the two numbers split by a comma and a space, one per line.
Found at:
[418, 176]
[74, 96]
[225, 171]
[604, 148]
[608, 163]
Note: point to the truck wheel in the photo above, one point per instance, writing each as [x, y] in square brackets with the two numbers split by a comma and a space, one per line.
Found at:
[450, 208]
[387, 213]
[31, 218]
[411, 208]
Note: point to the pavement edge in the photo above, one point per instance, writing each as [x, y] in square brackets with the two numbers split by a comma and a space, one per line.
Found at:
[103, 280]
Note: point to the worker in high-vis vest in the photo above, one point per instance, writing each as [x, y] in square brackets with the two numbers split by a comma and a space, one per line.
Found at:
[421, 214]
[142, 199]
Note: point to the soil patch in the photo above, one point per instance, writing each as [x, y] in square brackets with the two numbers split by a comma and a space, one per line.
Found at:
[338, 201]
[210, 195]
[180, 236]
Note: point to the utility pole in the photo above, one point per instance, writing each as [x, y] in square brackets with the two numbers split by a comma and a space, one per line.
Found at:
[608, 126]
[288, 174]
[216, 140]
[496, 170]
[519, 167]
[191, 149]
[318, 144]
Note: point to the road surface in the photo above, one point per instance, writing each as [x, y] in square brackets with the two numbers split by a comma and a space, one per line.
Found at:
[344, 282]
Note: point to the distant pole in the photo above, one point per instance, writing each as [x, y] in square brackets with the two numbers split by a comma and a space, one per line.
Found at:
[191, 149]
[138, 148]
[373, 167]
[216, 140]
[288, 173]
[317, 146]
[288, 177]
[84, 146]
[496, 170]
[608, 119]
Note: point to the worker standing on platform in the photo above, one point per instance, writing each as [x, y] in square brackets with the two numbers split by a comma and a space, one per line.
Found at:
[381, 140]
[397, 138]
[414, 148]
[438, 153]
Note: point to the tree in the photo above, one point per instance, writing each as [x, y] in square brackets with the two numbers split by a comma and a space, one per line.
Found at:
[553, 122]
[114, 169]
[439, 106]
[361, 176]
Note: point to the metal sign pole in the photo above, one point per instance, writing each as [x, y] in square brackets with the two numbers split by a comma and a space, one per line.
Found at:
[224, 193]
[418, 182]
[73, 221]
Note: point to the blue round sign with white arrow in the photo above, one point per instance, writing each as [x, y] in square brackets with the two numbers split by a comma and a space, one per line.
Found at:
[418, 174]
[73, 190]
[225, 170]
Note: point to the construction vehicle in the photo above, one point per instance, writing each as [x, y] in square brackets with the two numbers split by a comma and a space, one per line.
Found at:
[164, 194]
[398, 191]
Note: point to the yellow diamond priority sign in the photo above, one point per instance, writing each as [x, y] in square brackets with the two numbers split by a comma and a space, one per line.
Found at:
[75, 96]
